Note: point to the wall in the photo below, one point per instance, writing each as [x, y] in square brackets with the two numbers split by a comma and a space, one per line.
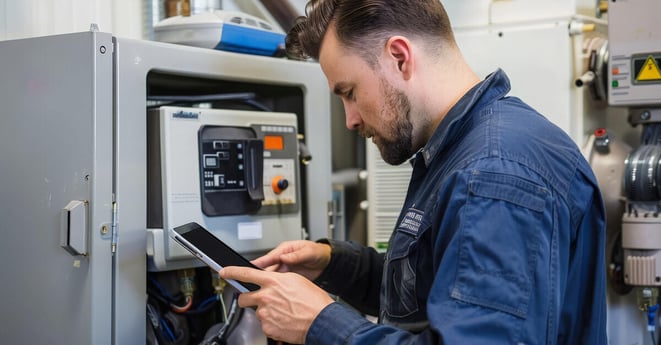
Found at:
[30, 18]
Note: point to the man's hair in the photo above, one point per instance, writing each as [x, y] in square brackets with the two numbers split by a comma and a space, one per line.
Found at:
[365, 25]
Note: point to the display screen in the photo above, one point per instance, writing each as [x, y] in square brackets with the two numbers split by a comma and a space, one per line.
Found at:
[215, 249]
[274, 142]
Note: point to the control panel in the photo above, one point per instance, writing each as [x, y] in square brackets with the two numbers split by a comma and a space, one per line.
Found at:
[248, 169]
[235, 172]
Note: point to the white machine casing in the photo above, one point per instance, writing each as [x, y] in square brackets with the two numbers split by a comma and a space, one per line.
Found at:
[635, 81]
[181, 195]
[634, 36]
[641, 240]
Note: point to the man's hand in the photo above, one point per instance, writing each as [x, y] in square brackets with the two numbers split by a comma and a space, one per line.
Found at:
[306, 258]
[287, 303]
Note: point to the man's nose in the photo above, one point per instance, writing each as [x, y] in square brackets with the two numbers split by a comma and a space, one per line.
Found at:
[353, 119]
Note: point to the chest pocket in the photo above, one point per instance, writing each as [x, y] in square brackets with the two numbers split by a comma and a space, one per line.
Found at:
[502, 224]
[399, 294]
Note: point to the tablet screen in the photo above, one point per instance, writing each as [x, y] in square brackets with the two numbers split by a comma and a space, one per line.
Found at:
[214, 248]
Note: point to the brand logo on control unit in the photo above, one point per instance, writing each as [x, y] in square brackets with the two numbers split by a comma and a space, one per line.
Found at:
[185, 115]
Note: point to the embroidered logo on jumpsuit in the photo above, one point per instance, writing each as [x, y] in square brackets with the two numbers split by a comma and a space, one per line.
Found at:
[411, 222]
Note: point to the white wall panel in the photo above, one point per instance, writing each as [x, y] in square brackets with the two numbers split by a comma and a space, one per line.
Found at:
[530, 10]
[29, 18]
[468, 13]
[538, 59]
[3, 24]
[17, 18]
[128, 18]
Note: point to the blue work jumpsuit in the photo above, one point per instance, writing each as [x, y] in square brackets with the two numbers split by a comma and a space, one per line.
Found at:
[500, 240]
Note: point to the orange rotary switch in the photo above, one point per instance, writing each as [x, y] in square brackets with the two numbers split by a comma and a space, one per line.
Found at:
[279, 184]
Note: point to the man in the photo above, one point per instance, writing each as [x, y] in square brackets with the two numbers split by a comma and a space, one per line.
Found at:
[501, 237]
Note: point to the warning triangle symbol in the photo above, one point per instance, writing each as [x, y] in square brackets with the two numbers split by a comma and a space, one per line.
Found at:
[650, 70]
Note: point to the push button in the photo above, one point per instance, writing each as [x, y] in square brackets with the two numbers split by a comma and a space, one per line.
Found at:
[279, 184]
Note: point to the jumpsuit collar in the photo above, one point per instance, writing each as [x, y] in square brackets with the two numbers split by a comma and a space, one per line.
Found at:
[495, 86]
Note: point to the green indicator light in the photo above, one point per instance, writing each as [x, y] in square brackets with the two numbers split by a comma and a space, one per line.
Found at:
[616, 83]
[382, 245]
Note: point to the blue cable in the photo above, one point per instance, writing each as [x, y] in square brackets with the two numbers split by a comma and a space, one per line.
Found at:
[160, 288]
[207, 301]
[651, 311]
[168, 330]
[651, 324]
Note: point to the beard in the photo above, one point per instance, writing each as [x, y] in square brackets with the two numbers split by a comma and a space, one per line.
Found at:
[396, 146]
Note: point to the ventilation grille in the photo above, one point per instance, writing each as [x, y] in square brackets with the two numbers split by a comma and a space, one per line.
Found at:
[641, 270]
[386, 191]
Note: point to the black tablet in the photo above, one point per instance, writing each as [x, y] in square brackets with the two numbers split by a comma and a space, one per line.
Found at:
[212, 251]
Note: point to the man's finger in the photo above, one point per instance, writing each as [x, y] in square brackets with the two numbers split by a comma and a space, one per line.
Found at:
[243, 274]
[266, 261]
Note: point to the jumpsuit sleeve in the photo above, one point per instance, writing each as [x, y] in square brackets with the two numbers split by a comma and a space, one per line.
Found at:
[353, 274]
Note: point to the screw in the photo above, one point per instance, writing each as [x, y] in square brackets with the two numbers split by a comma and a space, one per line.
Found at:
[104, 230]
[102, 49]
[645, 115]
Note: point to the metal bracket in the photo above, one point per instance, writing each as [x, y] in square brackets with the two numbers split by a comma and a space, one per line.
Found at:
[643, 116]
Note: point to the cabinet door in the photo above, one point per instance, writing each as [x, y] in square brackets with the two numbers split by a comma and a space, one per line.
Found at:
[56, 147]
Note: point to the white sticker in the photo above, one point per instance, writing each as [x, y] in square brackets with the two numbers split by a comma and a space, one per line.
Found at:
[250, 231]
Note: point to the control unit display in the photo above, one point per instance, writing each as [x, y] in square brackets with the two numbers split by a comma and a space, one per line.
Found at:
[231, 166]
[223, 165]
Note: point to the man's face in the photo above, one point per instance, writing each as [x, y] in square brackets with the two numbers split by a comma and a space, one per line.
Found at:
[373, 106]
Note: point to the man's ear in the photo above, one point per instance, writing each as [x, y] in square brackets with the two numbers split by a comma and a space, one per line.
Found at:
[399, 50]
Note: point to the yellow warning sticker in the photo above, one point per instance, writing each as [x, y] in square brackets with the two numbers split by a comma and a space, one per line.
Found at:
[650, 70]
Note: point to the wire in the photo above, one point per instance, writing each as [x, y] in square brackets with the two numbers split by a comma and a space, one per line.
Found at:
[220, 336]
[207, 301]
[651, 322]
[168, 331]
[216, 298]
[234, 316]
[178, 309]
[156, 325]
[215, 338]
[222, 304]
[239, 96]
[158, 297]
[248, 98]
[164, 292]
[651, 134]
[257, 105]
